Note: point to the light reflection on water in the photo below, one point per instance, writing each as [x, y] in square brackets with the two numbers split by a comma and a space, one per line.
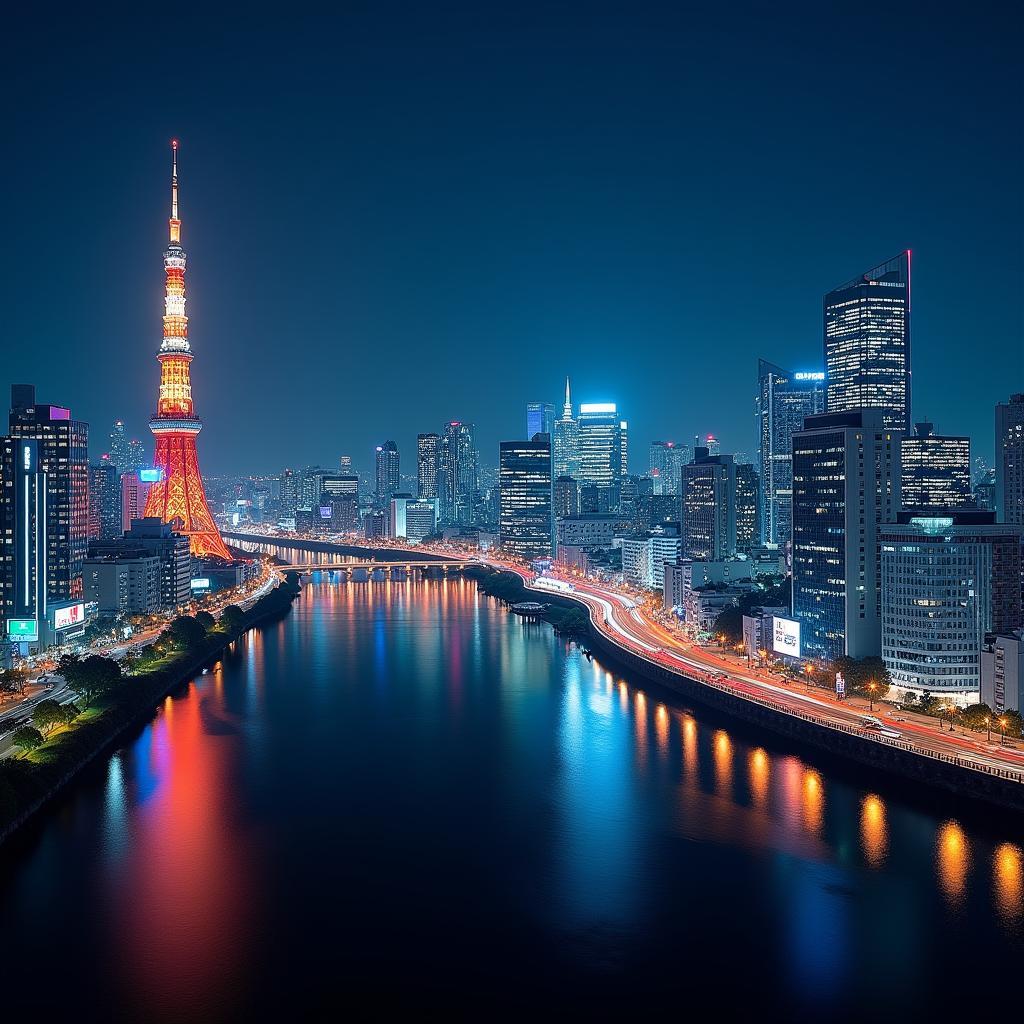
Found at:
[414, 742]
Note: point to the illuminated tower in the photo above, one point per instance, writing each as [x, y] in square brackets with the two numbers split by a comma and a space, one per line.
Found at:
[179, 495]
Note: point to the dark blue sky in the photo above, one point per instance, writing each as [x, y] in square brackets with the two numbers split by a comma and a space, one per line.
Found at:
[404, 214]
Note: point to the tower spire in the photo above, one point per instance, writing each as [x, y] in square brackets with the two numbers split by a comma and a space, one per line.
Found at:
[567, 408]
[175, 224]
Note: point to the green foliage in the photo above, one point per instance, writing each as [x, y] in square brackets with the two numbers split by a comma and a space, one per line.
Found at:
[185, 632]
[14, 680]
[974, 715]
[730, 624]
[90, 676]
[47, 715]
[859, 673]
[232, 618]
[27, 737]
[206, 620]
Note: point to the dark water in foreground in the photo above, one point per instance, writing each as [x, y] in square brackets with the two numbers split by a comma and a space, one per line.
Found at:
[403, 792]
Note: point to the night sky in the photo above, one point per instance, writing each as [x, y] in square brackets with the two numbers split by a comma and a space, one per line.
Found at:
[412, 213]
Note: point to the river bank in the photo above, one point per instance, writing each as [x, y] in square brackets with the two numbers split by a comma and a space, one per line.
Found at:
[27, 785]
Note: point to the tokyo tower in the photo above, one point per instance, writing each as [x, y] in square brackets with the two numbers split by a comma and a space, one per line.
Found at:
[179, 497]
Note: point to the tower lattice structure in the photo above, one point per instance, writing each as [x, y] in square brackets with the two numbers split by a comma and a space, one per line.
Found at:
[179, 497]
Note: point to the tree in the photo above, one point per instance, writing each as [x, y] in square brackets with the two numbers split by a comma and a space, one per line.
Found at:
[27, 738]
[48, 714]
[130, 662]
[730, 624]
[860, 673]
[185, 632]
[1014, 723]
[232, 618]
[975, 715]
[90, 676]
[206, 620]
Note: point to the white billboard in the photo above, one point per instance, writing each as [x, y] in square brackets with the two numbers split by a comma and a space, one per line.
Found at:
[73, 615]
[786, 637]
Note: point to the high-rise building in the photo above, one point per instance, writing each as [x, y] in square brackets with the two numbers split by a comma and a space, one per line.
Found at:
[748, 507]
[600, 444]
[457, 475]
[150, 536]
[784, 398]
[412, 518]
[134, 493]
[1010, 460]
[119, 446]
[388, 482]
[540, 418]
[566, 497]
[708, 507]
[525, 525]
[565, 441]
[867, 343]
[666, 465]
[104, 500]
[948, 578]
[289, 493]
[845, 485]
[44, 511]
[180, 495]
[644, 557]
[426, 464]
[136, 455]
[345, 464]
[935, 471]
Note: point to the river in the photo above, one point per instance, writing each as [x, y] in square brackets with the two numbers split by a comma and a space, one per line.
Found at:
[402, 791]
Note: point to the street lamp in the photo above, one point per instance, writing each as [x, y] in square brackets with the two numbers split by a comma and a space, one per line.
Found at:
[988, 728]
[872, 686]
[1002, 729]
[808, 672]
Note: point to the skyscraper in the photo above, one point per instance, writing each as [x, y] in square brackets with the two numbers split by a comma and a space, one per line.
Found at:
[44, 509]
[387, 473]
[935, 472]
[1010, 460]
[600, 444]
[845, 486]
[784, 398]
[135, 488]
[524, 483]
[666, 462]
[540, 418]
[565, 441]
[426, 464]
[119, 446]
[948, 578]
[104, 501]
[867, 343]
[566, 497]
[748, 507]
[708, 507]
[179, 495]
[289, 493]
[457, 475]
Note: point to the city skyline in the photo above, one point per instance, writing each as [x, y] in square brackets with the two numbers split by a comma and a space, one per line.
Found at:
[618, 277]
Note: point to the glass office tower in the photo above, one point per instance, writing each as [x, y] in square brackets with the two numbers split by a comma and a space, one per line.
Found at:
[867, 343]
[524, 485]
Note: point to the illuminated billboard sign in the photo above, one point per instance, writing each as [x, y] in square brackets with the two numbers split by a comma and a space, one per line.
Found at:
[151, 476]
[202, 583]
[786, 637]
[22, 629]
[326, 511]
[809, 376]
[73, 615]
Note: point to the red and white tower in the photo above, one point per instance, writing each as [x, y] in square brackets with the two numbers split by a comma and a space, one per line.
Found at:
[179, 496]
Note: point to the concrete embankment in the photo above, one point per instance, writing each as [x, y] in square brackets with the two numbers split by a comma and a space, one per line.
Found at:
[897, 759]
[27, 786]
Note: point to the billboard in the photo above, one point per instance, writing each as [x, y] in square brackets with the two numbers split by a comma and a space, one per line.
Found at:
[786, 637]
[73, 615]
[22, 629]
[201, 583]
[326, 511]
[151, 476]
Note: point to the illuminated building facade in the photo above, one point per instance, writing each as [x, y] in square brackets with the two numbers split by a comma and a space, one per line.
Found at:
[747, 497]
[566, 441]
[867, 343]
[387, 473]
[935, 472]
[784, 399]
[135, 489]
[104, 500]
[845, 485]
[457, 475]
[540, 418]
[426, 464]
[602, 455]
[44, 512]
[666, 462]
[948, 578]
[179, 497]
[1009, 489]
[708, 507]
[524, 485]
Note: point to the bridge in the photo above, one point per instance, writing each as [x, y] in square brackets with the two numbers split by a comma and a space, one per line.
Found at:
[386, 567]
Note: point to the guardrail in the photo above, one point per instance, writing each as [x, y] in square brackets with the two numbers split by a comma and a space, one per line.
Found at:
[696, 676]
